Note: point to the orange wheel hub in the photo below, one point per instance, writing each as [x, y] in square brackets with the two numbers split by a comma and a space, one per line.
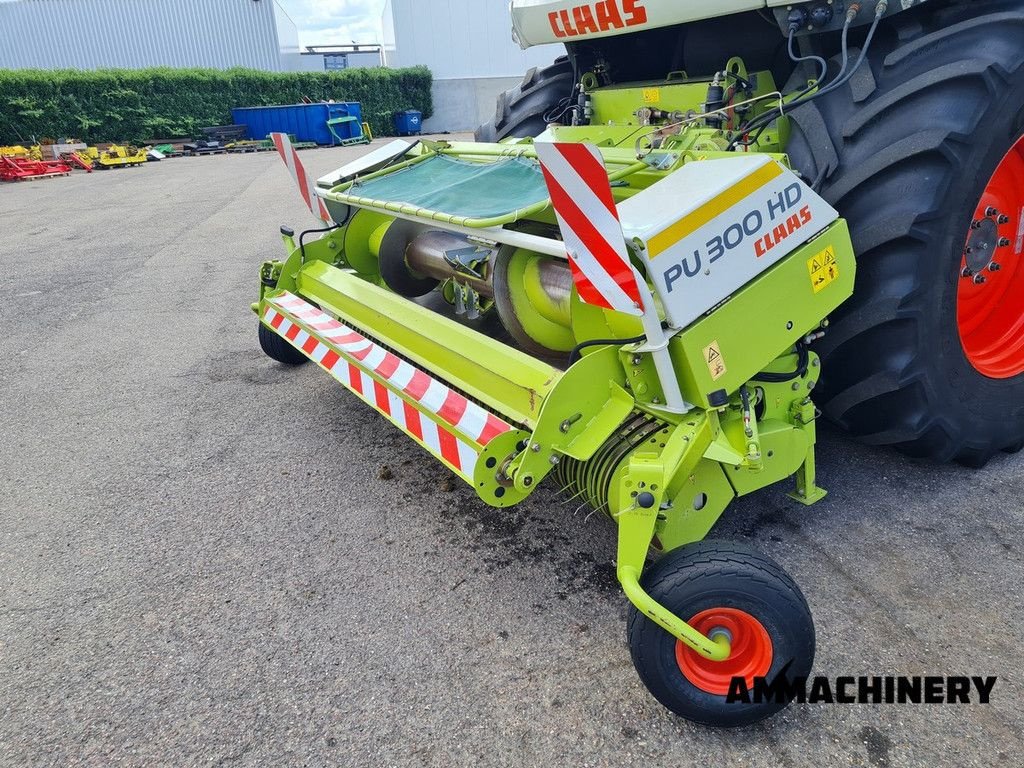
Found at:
[750, 656]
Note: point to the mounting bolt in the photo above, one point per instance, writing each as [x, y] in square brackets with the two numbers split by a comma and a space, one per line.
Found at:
[796, 385]
[994, 266]
[637, 359]
[528, 481]
[979, 279]
[1003, 219]
[535, 447]
[815, 363]
[554, 460]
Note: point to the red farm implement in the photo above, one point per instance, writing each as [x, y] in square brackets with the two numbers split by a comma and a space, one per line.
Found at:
[23, 169]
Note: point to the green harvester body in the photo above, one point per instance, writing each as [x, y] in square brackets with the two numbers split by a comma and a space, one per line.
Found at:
[599, 425]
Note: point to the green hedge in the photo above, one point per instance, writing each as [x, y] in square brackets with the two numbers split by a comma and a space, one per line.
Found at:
[136, 105]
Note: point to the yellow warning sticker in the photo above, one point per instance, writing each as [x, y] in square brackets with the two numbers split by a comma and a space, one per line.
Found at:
[716, 363]
[823, 268]
[652, 95]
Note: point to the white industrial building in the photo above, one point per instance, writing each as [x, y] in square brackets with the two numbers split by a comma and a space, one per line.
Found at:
[90, 34]
[468, 46]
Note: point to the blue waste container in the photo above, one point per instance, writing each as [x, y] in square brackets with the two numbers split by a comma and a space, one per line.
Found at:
[307, 122]
[409, 122]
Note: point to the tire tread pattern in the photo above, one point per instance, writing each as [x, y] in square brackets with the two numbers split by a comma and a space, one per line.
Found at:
[520, 111]
[278, 349]
[930, 87]
[710, 561]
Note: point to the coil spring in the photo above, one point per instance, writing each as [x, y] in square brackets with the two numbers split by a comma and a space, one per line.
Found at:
[591, 480]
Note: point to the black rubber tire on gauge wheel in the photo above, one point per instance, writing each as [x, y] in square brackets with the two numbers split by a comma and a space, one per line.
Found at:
[521, 110]
[723, 587]
[924, 143]
[278, 349]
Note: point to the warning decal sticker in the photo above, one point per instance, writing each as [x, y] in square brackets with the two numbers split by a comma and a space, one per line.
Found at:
[823, 268]
[716, 363]
[652, 95]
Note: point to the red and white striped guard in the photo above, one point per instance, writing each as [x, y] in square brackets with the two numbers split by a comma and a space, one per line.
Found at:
[582, 197]
[302, 179]
[399, 390]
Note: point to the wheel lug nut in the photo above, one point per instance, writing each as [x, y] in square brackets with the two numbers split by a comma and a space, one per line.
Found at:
[966, 272]
[1004, 242]
[994, 266]
[1003, 219]
[979, 279]
[990, 211]
[976, 224]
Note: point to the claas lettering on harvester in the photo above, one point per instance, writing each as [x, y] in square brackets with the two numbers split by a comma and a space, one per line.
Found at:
[661, 233]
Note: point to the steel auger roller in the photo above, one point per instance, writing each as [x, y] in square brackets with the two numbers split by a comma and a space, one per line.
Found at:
[637, 328]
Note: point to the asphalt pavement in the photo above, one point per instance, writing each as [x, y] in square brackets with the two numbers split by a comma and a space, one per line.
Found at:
[209, 559]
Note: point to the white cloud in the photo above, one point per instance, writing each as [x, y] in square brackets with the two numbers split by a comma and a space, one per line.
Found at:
[336, 22]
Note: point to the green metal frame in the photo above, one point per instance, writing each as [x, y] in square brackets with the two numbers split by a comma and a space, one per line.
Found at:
[361, 138]
[669, 489]
[570, 415]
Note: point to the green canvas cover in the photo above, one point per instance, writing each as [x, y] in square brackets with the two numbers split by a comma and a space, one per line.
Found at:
[460, 187]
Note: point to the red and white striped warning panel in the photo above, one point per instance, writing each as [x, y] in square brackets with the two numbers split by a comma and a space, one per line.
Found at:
[409, 397]
[302, 179]
[582, 197]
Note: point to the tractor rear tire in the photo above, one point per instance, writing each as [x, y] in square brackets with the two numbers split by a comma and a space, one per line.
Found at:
[278, 349]
[908, 153]
[723, 587]
[520, 112]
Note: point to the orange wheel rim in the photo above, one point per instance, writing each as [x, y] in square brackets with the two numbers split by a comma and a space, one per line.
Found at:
[751, 651]
[990, 293]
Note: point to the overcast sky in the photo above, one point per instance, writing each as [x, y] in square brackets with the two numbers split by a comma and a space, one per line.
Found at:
[336, 22]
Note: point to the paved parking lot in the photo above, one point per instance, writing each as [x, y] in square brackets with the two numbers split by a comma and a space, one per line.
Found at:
[202, 563]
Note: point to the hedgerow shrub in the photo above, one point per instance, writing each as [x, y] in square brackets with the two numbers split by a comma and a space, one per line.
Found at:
[136, 105]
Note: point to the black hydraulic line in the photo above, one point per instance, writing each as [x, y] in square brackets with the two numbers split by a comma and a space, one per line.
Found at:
[302, 235]
[822, 64]
[860, 60]
[577, 351]
[803, 362]
[760, 123]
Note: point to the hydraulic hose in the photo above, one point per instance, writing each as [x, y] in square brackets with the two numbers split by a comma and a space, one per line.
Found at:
[805, 97]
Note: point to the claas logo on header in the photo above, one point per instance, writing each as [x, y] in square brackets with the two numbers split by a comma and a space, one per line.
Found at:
[597, 17]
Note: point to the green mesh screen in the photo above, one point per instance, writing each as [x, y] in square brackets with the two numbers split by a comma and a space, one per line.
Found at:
[460, 188]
